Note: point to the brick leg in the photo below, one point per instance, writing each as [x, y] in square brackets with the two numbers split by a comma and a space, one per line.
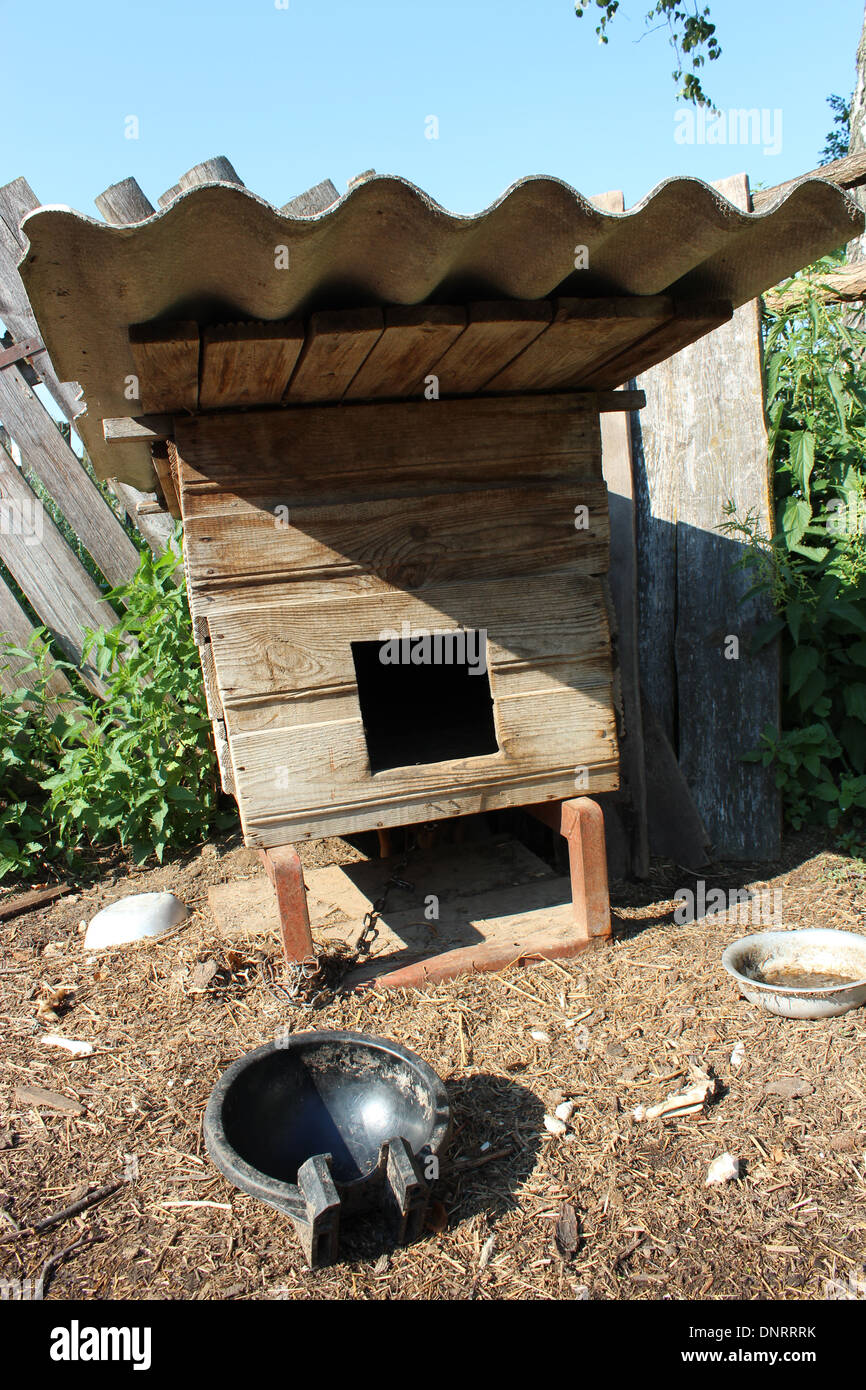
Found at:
[581, 821]
[283, 867]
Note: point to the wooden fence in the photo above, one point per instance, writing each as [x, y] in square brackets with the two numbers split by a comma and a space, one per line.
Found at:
[57, 586]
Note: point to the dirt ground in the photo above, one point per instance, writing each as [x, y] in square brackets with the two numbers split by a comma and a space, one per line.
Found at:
[619, 1027]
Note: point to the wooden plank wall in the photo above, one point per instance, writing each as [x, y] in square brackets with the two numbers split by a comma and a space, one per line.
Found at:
[701, 440]
[444, 514]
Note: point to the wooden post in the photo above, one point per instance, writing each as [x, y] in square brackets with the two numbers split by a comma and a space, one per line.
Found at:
[581, 821]
[283, 866]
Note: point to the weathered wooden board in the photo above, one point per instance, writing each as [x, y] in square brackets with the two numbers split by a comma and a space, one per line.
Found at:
[137, 429]
[540, 735]
[312, 201]
[124, 202]
[56, 584]
[495, 334]
[310, 530]
[337, 342]
[691, 320]
[165, 476]
[217, 170]
[413, 340]
[325, 704]
[166, 360]
[436, 539]
[46, 453]
[17, 199]
[147, 516]
[287, 457]
[622, 577]
[248, 363]
[214, 704]
[17, 629]
[702, 441]
[581, 333]
[272, 667]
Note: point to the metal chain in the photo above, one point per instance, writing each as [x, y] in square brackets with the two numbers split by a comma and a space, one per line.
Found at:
[369, 931]
[303, 976]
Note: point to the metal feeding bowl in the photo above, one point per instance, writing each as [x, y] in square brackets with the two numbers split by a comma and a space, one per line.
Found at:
[331, 1123]
[815, 973]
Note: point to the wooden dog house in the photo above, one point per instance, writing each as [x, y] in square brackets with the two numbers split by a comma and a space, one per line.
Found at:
[392, 431]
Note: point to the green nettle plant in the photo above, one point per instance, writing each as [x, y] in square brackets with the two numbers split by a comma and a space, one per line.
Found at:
[137, 767]
[35, 728]
[814, 568]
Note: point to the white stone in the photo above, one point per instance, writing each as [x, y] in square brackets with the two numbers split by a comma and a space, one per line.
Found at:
[133, 919]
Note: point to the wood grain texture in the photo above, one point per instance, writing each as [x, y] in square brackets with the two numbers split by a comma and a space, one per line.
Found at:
[146, 515]
[413, 340]
[17, 199]
[495, 333]
[289, 775]
[426, 540]
[46, 453]
[248, 363]
[690, 321]
[166, 360]
[141, 429]
[56, 584]
[474, 800]
[272, 664]
[163, 470]
[703, 441]
[336, 344]
[312, 201]
[214, 705]
[581, 333]
[309, 530]
[217, 170]
[124, 202]
[383, 450]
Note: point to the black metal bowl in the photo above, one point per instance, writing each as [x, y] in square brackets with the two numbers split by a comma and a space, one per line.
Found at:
[346, 1096]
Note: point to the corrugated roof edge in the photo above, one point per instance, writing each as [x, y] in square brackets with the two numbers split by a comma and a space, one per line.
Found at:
[202, 256]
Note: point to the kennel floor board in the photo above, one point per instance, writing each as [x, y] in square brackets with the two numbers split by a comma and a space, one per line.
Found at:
[495, 899]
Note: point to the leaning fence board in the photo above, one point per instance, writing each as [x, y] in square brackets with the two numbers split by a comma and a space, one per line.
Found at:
[17, 630]
[16, 200]
[46, 453]
[56, 584]
[702, 441]
[146, 515]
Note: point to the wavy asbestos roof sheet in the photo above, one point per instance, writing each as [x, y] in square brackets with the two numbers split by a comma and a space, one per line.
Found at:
[213, 255]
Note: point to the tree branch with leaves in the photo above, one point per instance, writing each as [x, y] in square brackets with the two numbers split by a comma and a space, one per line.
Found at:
[692, 37]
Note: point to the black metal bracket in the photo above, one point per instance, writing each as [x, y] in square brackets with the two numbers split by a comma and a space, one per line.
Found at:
[404, 1200]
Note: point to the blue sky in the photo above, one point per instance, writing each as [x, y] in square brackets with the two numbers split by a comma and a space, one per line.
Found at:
[332, 87]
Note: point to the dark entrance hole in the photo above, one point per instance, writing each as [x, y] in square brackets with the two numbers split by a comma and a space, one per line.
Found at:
[425, 703]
